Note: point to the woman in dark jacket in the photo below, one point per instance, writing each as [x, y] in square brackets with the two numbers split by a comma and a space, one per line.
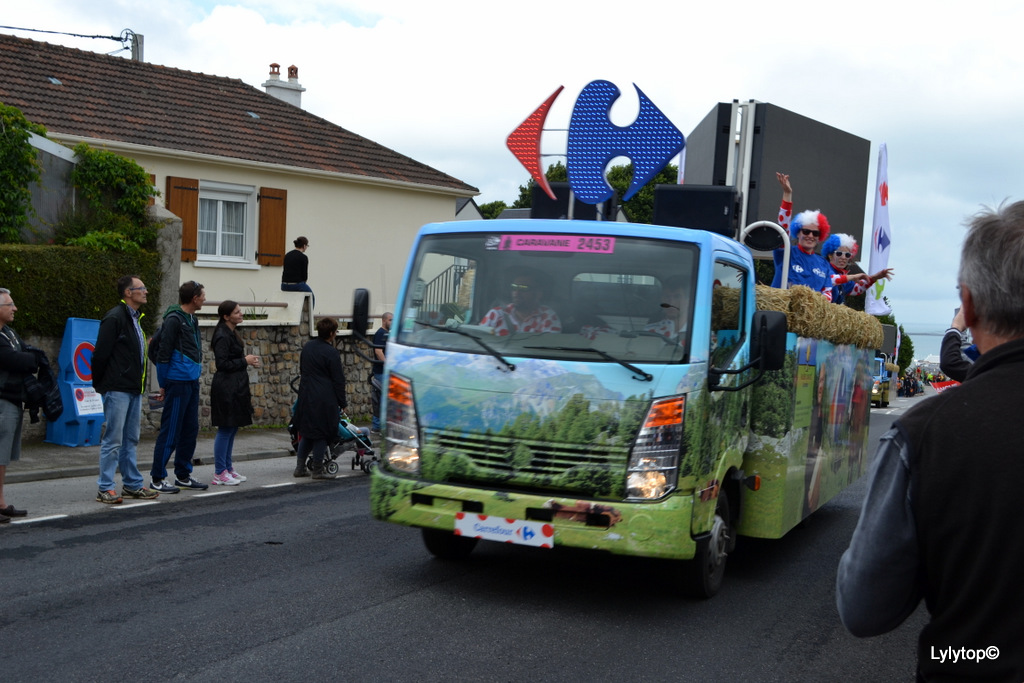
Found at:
[321, 398]
[230, 401]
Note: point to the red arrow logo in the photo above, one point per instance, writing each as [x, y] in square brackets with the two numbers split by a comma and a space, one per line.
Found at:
[524, 142]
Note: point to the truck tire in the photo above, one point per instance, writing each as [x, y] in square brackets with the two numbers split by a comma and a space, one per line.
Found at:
[703, 575]
[447, 546]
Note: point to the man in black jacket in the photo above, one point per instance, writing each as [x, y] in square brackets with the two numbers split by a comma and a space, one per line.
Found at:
[119, 374]
[940, 519]
[16, 363]
[955, 360]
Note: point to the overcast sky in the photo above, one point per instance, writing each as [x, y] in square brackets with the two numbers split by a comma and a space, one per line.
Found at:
[446, 81]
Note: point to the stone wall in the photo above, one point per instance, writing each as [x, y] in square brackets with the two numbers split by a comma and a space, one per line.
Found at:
[278, 347]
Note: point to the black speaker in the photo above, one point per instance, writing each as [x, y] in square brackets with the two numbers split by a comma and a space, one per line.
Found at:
[543, 206]
[701, 207]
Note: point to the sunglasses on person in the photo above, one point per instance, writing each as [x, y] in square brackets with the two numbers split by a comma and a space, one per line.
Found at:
[805, 231]
[196, 288]
[521, 288]
[843, 254]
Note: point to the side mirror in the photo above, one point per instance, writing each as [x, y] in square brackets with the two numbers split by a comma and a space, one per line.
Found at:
[769, 340]
[767, 351]
[360, 312]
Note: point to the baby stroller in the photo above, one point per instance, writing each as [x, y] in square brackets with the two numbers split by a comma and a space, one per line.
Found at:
[350, 437]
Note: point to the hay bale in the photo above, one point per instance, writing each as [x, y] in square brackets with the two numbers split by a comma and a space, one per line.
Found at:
[725, 308]
[809, 314]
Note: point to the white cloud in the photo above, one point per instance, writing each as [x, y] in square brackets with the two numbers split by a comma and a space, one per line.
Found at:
[445, 82]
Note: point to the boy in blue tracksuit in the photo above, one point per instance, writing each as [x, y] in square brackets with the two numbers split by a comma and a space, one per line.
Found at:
[179, 361]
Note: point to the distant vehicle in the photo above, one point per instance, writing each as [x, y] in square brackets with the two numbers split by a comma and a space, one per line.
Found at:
[882, 381]
[885, 369]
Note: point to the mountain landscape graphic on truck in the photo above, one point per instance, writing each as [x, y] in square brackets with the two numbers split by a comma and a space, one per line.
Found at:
[458, 392]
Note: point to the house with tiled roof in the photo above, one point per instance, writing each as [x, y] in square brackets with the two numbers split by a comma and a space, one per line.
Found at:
[246, 171]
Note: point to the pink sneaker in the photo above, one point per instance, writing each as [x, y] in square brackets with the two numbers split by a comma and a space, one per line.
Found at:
[224, 479]
[238, 477]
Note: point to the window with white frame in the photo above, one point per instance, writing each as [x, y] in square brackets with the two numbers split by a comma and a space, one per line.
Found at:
[227, 222]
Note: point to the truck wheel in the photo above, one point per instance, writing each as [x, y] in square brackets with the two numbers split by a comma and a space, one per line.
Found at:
[446, 545]
[703, 575]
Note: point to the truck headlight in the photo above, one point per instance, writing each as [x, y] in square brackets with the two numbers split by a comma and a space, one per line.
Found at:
[654, 461]
[403, 441]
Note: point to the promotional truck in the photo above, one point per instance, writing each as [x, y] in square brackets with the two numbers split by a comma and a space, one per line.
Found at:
[881, 381]
[617, 387]
[885, 368]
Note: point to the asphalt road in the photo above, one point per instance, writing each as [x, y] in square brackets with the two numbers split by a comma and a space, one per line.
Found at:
[294, 582]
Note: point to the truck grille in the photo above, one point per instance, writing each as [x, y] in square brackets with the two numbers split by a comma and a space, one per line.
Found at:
[594, 470]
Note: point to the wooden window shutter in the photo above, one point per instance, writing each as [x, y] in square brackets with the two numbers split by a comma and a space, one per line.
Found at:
[152, 182]
[273, 222]
[183, 202]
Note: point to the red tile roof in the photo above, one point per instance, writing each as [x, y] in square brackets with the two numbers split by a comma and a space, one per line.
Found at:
[112, 98]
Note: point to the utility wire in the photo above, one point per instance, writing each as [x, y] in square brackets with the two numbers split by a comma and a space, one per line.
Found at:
[121, 38]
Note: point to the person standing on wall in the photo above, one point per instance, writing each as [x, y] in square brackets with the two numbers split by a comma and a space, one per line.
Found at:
[179, 362]
[230, 400]
[119, 375]
[296, 270]
[16, 363]
[321, 398]
[380, 340]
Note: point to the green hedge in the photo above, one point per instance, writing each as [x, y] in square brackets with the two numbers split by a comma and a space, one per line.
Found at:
[50, 284]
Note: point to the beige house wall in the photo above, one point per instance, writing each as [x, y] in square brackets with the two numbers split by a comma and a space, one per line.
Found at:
[360, 230]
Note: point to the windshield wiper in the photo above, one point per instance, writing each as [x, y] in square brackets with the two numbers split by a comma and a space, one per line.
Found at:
[484, 345]
[646, 377]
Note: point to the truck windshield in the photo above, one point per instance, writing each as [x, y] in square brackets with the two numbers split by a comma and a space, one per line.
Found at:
[581, 297]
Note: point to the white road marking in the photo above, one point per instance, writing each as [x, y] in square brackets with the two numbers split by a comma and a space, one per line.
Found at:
[38, 519]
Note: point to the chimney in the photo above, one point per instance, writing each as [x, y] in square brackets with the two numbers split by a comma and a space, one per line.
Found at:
[287, 91]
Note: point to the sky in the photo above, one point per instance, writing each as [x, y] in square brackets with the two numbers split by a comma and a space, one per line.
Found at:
[446, 81]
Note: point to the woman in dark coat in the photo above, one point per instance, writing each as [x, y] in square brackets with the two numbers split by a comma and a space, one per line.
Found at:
[321, 398]
[230, 401]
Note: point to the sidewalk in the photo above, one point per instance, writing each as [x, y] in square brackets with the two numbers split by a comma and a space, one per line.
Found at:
[41, 460]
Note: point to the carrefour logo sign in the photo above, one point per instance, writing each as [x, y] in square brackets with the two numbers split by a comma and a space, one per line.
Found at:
[650, 142]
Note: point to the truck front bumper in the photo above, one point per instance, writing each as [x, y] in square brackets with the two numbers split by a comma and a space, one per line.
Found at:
[655, 529]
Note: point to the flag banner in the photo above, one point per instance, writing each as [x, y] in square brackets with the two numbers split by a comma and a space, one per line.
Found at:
[881, 237]
[939, 387]
[899, 339]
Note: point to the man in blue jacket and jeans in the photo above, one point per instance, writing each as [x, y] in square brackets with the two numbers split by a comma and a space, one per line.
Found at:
[119, 374]
[179, 362]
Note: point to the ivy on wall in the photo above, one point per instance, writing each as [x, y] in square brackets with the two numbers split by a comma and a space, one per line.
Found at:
[113, 193]
[18, 169]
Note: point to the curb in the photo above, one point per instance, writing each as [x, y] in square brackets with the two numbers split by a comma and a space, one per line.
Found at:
[16, 477]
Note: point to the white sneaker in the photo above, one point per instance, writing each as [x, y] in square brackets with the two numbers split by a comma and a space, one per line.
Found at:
[238, 477]
[224, 479]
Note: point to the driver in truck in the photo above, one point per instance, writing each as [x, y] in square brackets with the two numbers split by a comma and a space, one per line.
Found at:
[525, 313]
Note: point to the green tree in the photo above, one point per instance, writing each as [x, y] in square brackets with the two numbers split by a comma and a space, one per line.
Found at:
[19, 167]
[906, 354]
[556, 173]
[492, 209]
[114, 194]
[639, 208]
